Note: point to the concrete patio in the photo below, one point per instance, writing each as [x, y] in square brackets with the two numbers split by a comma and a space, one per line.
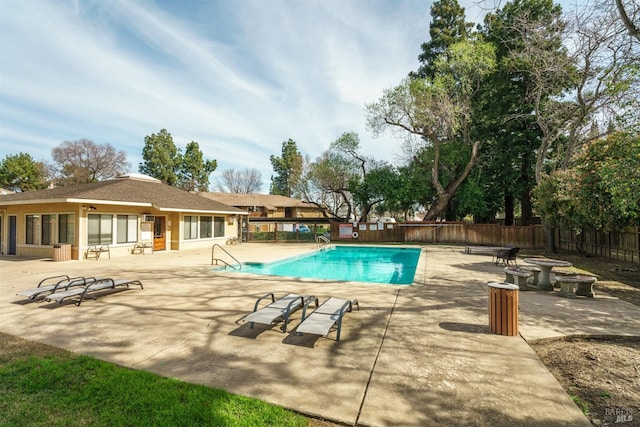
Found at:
[412, 356]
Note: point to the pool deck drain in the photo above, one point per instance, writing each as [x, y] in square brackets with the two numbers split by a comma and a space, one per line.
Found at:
[434, 360]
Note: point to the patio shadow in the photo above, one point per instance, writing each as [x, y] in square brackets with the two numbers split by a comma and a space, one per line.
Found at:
[246, 331]
[465, 327]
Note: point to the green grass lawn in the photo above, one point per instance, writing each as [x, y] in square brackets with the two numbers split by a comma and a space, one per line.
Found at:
[41, 385]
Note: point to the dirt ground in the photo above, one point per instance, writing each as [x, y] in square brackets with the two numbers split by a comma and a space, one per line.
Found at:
[602, 375]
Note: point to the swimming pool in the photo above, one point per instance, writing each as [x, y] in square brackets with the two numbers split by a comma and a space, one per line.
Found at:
[375, 264]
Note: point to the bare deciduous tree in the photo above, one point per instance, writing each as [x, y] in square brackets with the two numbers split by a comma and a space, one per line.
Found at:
[598, 80]
[630, 17]
[325, 190]
[84, 161]
[600, 71]
[243, 182]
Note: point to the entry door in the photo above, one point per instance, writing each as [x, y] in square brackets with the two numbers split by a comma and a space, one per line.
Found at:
[13, 235]
[159, 233]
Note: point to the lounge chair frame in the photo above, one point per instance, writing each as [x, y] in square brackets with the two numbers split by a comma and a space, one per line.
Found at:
[326, 317]
[51, 284]
[92, 285]
[282, 308]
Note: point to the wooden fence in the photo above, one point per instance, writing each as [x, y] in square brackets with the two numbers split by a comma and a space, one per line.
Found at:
[619, 245]
[529, 237]
[623, 245]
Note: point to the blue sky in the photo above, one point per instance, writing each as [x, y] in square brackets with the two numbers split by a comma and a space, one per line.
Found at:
[237, 76]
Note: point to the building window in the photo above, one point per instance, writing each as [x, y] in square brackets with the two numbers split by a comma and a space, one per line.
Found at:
[206, 227]
[46, 228]
[190, 227]
[218, 226]
[127, 228]
[32, 236]
[66, 228]
[100, 229]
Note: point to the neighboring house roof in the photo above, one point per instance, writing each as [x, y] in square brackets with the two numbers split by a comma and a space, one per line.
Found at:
[269, 201]
[132, 190]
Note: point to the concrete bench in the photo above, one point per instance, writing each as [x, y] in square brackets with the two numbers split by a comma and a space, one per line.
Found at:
[517, 276]
[535, 271]
[577, 285]
[562, 273]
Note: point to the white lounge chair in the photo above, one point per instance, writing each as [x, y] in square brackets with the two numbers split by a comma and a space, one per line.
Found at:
[276, 310]
[52, 284]
[91, 286]
[325, 317]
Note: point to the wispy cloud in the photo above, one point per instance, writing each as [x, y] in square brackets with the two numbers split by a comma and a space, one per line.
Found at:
[237, 77]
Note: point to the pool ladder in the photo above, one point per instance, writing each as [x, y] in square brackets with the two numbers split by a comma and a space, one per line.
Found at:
[220, 260]
[322, 240]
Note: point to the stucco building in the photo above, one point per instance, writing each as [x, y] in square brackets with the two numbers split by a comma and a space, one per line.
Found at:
[118, 213]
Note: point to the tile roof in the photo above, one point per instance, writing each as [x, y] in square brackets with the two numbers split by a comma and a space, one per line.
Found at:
[126, 191]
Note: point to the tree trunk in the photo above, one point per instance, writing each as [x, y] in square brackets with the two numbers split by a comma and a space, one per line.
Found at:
[346, 201]
[366, 210]
[525, 196]
[549, 240]
[437, 207]
[445, 194]
[526, 208]
[450, 212]
[508, 209]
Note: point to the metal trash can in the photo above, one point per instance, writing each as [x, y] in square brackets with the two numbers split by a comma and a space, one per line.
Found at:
[61, 252]
[503, 308]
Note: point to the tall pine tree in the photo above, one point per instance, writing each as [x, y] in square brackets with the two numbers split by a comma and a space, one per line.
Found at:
[288, 169]
[195, 170]
[448, 26]
[508, 119]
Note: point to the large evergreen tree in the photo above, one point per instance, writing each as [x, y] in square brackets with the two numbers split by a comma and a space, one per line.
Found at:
[162, 159]
[288, 169]
[20, 173]
[448, 26]
[195, 169]
[510, 157]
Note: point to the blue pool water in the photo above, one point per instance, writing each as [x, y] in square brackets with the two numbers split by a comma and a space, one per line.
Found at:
[347, 263]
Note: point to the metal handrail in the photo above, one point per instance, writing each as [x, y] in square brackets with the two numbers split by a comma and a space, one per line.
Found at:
[213, 257]
[322, 240]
